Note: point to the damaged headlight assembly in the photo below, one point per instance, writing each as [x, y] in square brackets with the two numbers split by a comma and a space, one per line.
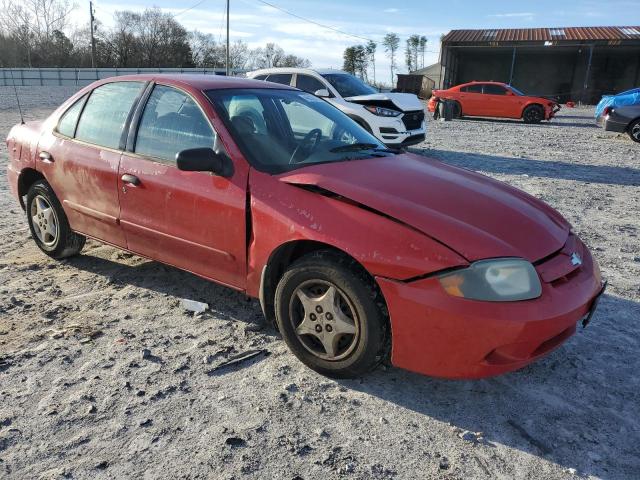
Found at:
[497, 280]
[383, 112]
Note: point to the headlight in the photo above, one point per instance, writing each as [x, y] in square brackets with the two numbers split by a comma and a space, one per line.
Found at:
[502, 280]
[383, 112]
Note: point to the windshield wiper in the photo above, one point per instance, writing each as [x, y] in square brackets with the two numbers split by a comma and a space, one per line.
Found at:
[356, 147]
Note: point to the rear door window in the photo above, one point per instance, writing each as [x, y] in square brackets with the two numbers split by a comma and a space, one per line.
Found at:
[477, 88]
[172, 122]
[283, 78]
[106, 112]
[69, 120]
[309, 84]
[491, 89]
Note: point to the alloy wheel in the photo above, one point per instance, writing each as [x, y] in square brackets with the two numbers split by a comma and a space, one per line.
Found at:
[44, 221]
[324, 319]
[635, 132]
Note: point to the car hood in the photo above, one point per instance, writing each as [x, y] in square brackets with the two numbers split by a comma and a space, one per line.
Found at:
[404, 101]
[474, 215]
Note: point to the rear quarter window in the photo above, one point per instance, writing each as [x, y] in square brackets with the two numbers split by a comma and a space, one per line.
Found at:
[69, 119]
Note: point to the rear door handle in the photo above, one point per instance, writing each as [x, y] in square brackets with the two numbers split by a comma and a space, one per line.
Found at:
[46, 157]
[131, 179]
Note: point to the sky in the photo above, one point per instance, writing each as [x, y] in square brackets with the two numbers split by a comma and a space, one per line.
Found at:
[257, 23]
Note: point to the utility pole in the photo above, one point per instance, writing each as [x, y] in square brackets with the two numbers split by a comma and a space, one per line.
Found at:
[93, 39]
[227, 62]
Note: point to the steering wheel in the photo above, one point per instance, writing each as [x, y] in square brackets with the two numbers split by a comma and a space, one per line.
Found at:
[306, 146]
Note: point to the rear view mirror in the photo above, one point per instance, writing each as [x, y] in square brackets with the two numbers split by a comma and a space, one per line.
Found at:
[322, 93]
[204, 160]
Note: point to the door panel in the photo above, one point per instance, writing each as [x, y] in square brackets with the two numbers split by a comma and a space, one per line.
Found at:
[84, 177]
[192, 220]
[80, 159]
[496, 100]
[472, 100]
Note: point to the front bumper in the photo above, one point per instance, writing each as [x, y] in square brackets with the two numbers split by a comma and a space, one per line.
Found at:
[439, 335]
[552, 111]
[394, 133]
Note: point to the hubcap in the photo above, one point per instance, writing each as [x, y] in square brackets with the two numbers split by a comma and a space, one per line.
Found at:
[44, 221]
[324, 319]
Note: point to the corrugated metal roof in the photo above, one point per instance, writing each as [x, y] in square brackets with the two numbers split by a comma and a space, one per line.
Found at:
[555, 34]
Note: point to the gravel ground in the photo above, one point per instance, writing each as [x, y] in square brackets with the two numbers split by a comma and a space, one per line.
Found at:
[103, 374]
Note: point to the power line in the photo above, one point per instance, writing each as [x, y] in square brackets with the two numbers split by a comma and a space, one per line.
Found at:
[314, 22]
[197, 4]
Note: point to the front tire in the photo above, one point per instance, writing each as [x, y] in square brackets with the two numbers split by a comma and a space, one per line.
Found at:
[329, 315]
[48, 223]
[634, 131]
[533, 114]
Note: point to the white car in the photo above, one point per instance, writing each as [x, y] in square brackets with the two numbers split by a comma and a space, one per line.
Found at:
[397, 119]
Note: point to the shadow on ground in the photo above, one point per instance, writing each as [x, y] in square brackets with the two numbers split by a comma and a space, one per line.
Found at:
[517, 121]
[578, 407]
[536, 168]
[225, 303]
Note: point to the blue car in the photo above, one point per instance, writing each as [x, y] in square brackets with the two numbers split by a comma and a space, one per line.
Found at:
[624, 99]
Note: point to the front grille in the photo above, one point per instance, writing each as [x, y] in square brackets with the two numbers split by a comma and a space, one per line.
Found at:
[413, 120]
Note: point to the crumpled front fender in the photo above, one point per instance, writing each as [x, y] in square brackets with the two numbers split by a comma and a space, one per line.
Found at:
[281, 213]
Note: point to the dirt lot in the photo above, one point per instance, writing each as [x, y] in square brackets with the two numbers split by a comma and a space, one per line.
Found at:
[104, 375]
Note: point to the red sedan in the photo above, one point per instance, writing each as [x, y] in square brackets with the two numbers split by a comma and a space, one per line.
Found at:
[356, 252]
[494, 99]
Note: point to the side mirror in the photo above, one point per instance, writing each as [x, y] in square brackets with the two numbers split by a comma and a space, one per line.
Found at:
[322, 93]
[204, 160]
[510, 93]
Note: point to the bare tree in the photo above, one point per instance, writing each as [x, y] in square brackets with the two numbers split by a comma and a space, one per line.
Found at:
[36, 24]
[371, 52]
[272, 55]
[205, 52]
[391, 43]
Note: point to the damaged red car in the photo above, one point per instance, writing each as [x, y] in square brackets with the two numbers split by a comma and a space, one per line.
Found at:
[495, 99]
[358, 253]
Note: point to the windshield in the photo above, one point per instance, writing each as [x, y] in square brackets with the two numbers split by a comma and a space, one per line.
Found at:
[281, 130]
[516, 91]
[348, 85]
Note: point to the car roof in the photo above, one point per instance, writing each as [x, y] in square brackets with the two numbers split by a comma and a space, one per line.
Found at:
[200, 81]
[476, 82]
[320, 71]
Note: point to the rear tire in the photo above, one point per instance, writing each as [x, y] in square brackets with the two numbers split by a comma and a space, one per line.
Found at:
[457, 110]
[634, 131]
[330, 316]
[533, 114]
[49, 224]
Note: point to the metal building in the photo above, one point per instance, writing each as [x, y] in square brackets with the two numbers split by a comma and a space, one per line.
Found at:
[577, 63]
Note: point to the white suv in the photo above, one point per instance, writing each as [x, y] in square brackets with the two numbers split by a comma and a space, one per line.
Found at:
[397, 119]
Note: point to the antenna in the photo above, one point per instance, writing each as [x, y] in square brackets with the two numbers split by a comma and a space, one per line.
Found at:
[15, 89]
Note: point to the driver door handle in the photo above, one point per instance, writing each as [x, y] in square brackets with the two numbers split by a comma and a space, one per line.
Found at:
[131, 179]
[46, 157]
